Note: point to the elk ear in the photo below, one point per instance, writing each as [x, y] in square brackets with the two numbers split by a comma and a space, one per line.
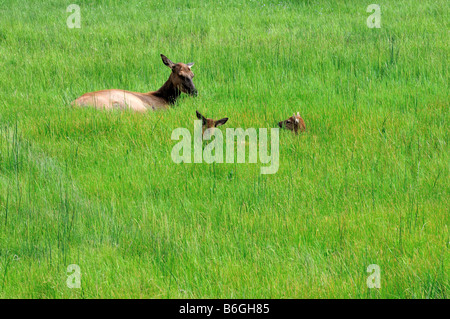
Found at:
[166, 61]
[190, 64]
[221, 122]
[201, 117]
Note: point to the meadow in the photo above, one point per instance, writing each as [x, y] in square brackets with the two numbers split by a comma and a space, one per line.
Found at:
[368, 183]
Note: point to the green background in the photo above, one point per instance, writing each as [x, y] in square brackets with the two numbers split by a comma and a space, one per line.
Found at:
[366, 184]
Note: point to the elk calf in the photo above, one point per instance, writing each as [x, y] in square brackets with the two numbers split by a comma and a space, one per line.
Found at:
[210, 123]
[294, 123]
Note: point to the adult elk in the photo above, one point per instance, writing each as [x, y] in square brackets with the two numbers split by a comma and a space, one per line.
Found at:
[180, 80]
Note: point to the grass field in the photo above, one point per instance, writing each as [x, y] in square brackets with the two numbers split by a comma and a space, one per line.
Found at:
[368, 183]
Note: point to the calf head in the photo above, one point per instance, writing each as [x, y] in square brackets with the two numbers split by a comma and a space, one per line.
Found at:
[210, 123]
[294, 123]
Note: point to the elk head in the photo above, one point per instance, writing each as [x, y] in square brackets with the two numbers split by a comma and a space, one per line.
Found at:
[294, 123]
[210, 123]
[181, 77]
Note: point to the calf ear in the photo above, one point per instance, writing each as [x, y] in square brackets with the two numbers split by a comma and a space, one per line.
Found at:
[221, 122]
[201, 117]
[166, 61]
[190, 64]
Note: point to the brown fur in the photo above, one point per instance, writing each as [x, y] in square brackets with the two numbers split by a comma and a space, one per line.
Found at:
[180, 80]
[294, 123]
[210, 123]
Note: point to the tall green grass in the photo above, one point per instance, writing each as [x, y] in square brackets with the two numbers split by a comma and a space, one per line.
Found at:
[367, 184]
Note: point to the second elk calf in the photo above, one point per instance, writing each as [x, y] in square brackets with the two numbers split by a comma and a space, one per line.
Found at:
[294, 123]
